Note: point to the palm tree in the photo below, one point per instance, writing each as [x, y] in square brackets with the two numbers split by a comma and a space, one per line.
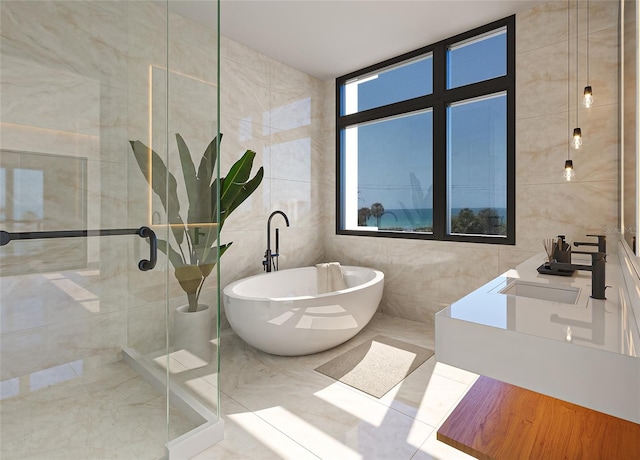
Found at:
[377, 210]
[363, 215]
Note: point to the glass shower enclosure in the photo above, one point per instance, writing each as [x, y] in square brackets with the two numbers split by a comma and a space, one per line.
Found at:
[97, 357]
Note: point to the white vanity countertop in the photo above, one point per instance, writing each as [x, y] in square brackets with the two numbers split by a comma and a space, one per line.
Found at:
[585, 353]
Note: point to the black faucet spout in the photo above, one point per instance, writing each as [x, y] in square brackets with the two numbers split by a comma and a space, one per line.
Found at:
[601, 243]
[269, 255]
[597, 269]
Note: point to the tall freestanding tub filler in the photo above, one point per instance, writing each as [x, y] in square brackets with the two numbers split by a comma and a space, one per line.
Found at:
[282, 313]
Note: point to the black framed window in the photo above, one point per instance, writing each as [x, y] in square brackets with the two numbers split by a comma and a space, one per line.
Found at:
[426, 141]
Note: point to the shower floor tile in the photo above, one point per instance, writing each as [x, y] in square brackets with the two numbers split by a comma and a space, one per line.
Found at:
[107, 413]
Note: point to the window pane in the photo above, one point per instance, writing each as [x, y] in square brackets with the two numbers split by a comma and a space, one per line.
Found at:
[477, 166]
[478, 59]
[28, 194]
[388, 174]
[394, 84]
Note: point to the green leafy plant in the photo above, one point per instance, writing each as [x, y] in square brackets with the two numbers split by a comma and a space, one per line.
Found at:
[193, 249]
[486, 222]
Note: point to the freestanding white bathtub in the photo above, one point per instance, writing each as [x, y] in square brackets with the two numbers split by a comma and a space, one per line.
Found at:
[282, 313]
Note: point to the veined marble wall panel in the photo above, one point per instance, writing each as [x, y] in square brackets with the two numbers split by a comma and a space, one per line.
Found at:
[295, 98]
[146, 45]
[550, 17]
[541, 80]
[438, 270]
[328, 159]
[244, 83]
[242, 260]
[278, 112]
[410, 306]
[510, 257]
[90, 40]
[41, 97]
[192, 48]
[421, 276]
[540, 155]
[296, 199]
[585, 208]
[238, 136]
[603, 66]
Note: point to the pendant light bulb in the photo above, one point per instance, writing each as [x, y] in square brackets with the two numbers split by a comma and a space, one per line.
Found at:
[569, 173]
[587, 100]
[576, 140]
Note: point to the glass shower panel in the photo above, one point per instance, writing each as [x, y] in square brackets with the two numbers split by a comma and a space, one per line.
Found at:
[193, 124]
[86, 337]
[182, 120]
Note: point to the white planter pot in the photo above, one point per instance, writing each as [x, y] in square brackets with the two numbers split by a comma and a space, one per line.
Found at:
[192, 331]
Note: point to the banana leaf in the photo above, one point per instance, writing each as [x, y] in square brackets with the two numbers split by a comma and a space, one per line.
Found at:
[174, 257]
[235, 188]
[195, 261]
[188, 171]
[158, 177]
[247, 189]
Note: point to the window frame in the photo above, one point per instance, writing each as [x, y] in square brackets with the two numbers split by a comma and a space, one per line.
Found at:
[438, 101]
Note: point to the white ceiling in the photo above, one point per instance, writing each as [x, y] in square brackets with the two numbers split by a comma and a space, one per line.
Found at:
[329, 38]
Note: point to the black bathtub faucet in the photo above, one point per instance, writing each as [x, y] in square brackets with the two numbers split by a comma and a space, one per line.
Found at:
[270, 262]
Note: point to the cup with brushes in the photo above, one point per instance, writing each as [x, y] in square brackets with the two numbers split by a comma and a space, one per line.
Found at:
[560, 250]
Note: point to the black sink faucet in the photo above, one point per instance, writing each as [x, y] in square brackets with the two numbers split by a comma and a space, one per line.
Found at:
[601, 244]
[597, 269]
[270, 258]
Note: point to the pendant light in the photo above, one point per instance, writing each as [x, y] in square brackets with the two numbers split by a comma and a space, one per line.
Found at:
[587, 98]
[568, 172]
[576, 139]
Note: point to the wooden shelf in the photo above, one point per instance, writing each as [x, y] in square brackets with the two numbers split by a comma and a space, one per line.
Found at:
[496, 420]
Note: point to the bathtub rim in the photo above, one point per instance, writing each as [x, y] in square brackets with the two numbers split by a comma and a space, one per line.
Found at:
[378, 277]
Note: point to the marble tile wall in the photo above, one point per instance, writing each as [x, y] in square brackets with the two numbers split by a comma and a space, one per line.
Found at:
[422, 277]
[277, 111]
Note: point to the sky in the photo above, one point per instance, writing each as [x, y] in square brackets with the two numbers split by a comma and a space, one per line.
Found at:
[392, 150]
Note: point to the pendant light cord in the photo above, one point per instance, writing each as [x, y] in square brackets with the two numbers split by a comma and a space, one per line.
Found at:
[587, 42]
[577, 60]
[569, 77]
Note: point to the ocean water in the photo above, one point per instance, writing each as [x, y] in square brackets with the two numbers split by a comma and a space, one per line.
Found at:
[412, 219]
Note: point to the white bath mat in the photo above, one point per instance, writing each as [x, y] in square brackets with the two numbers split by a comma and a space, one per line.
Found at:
[377, 365]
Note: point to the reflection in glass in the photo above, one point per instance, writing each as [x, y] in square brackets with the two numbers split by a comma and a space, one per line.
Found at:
[397, 83]
[41, 192]
[478, 59]
[477, 166]
[388, 177]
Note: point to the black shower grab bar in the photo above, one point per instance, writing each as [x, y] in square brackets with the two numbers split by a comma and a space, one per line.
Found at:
[144, 232]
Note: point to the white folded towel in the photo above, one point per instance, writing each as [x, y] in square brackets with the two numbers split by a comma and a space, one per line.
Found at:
[330, 277]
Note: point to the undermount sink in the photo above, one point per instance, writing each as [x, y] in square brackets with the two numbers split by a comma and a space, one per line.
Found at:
[562, 294]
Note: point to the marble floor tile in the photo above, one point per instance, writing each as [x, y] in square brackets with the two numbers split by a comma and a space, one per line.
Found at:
[328, 419]
[247, 436]
[433, 449]
[110, 413]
